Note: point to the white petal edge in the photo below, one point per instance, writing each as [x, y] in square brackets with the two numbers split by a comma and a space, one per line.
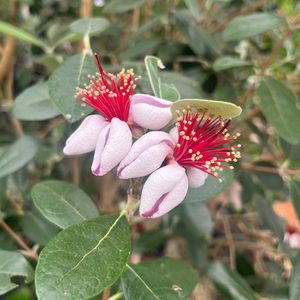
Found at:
[163, 190]
[196, 177]
[84, 138]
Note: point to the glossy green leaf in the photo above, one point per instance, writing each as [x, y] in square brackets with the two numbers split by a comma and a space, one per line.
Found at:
[152, 64]
[11, 264]
[271, 180]
[63, 82]
[282, 114]
[18, 155]
[139, 282]
[194, 9]
[294, 286]
[269, 220]
[84, 259]
[120, 6]
[37, 228]
[177, 271]
[197, 218]
[63, 203]
[225, 110]
[89, 27]
[295, 195]
[212, 187]
[20, 34]
[250, 25]
[230, 283]
[148, 241]
[226, 62]
[34, 104]
[169, 92]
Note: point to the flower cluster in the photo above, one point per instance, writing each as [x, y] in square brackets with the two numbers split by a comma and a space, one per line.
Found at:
[182, 158]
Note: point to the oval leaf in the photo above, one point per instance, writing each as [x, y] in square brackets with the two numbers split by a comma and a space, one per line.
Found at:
[63, 82]
[294, 286]
[278, 104]
[152, 64]
[18, 155]
[12, 264]
[139, 282]
[34, 104]
[169, 92]
[250, 25]
[120, 6]
[63, 203]
[177, 271]
[227, 62]
[89, 27]
[193, 8]
[84, 259]
[229, 282]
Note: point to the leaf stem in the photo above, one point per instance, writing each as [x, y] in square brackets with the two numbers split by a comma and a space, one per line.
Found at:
[116, 296]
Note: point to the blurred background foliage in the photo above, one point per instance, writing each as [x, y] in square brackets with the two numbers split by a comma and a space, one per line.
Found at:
[243, 242]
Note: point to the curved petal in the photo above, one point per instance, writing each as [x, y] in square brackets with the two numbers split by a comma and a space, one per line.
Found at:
[150, 112]
[196, 177]
[174, 134]
[113, 144]
[163, 190]
[84, 139]
[146, 155]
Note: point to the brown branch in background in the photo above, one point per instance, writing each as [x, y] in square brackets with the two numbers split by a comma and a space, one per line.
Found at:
[248, 166]
[42, 134]
[253, 7]
[19, 240]
[14, 203]
[77, 161]
[86, 11]
[106, 293]
[147, 15]
[244, 98]
[135, 19]
[230, 242]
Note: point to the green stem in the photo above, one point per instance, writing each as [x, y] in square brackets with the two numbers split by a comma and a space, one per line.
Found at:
[115, 296]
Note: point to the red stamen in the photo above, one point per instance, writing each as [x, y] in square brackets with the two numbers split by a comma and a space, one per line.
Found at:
[200, 142]
[111, 98]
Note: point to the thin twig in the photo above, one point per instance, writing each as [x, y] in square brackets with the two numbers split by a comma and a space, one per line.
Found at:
[76, 170]
[14, 203]
[42, 134]
[244, 98]
[249, 166]
[106, 293]
[230, 242]
[19, 240]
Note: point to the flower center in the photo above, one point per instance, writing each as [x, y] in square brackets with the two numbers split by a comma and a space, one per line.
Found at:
[200, 142]
[109, 94]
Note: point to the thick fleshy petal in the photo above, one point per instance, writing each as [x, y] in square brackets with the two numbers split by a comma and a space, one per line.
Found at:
[163, 190]
[113, 144]
[196, 177]
[150, 112]
[146, 155]
[174, 134]
[84, 139]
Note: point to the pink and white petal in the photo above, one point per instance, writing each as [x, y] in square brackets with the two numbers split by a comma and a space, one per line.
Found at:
[174, 134]
[163, 190]
[196, 177]
[150, 112]
[145, 163]
[143, 143]
[84, 139]
[112, 147]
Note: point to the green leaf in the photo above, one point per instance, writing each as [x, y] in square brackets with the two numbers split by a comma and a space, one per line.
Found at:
[89, 27]
[225, 110]
[169, 92]
[13, 264]
[250, 25]
[63, 82]
[196, 217]
[212, 187]
[84, 259]
[18, 155]
[34, 104]
[152, 64]
[148, 241]
[37, 228]
[294, 286]
[272, 180]
[63, 203]
[282, 114]
[230, 283]
[67, 37]
[177, 271]
[248, 186]
[226, 91]
[120, 6]
[269, 220]
[194, 9]
[295, 195]
[20, 34]
[139, 282]
[291, 151]
[226, 62]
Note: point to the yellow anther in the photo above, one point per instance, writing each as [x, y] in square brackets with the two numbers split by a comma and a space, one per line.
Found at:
[190, 151]
[231, 167]
[198, 152]
[216, 174]
[178, 145]
[195, 139]
[220, 179]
